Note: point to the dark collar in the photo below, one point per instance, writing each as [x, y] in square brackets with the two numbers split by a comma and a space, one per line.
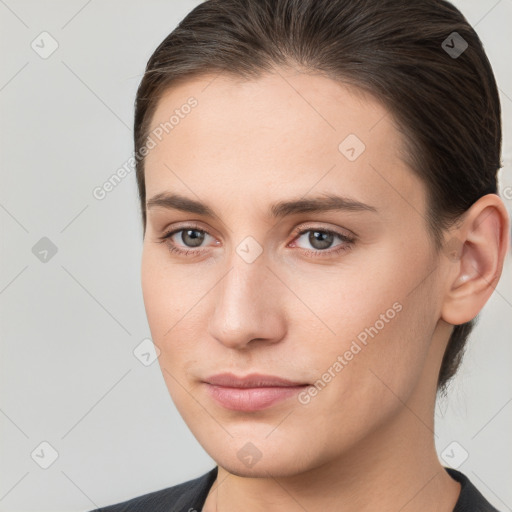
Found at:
[190, 496]
[470, 498]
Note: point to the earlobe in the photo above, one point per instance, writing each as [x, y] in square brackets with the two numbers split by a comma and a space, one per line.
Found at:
[476, 253]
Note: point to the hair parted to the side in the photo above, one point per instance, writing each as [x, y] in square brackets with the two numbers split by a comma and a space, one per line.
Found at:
[447, 109]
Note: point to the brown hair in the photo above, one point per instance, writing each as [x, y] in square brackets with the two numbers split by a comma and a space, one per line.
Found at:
[442, 94]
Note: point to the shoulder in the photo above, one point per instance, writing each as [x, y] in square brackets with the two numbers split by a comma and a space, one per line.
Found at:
[470, 498]
[185, 497]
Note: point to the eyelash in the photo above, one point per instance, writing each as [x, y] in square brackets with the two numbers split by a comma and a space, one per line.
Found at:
[345, 246]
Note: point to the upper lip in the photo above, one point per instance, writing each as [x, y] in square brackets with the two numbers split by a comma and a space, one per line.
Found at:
[253, 380]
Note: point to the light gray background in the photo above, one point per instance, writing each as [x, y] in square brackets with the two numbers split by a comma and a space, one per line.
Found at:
[69, 326]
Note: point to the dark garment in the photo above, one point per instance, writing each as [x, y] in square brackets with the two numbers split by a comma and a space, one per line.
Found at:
[190, 497]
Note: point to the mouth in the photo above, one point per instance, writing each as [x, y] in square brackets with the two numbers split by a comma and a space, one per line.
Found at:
[252, 392]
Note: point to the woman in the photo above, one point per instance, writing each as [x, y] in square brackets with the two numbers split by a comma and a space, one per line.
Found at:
[321, 228]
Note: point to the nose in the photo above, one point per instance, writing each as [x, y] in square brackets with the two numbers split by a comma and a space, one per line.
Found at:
[247, 306]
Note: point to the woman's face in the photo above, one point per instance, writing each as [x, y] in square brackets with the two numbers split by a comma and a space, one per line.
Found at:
[350, 307]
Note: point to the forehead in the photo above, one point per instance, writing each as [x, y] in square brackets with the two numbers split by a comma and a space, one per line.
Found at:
[285, 133]
[295, 106]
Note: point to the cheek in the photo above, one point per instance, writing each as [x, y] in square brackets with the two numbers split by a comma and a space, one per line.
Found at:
[153, 293]
[375, 316]
[165, 305]
[375, 360]
[174, 303]
[162, 294]
[364, 292]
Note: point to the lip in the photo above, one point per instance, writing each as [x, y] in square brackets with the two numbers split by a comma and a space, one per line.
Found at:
[252, 392]
[253, 380]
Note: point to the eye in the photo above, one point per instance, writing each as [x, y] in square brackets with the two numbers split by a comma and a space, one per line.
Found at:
[187, 241]
[322, 239]
[190, 236]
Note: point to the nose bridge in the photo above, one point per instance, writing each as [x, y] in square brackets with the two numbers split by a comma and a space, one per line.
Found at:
[245, 306]
[240, 292]
[246, 259]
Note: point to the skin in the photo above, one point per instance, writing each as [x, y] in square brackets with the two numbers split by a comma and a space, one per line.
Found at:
[365, 441]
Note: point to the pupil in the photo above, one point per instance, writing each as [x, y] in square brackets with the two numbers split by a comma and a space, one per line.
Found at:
[196, 240]
[324, 240]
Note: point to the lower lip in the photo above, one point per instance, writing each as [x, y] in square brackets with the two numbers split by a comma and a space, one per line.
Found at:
[251, 399]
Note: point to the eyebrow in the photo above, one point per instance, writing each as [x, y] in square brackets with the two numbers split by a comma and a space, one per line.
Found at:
[324, 203]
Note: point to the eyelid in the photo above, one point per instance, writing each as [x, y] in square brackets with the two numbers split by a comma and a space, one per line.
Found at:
[342, 232]
[186, 224]
[190, 225]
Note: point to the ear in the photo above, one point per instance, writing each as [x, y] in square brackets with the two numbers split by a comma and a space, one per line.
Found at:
[475, 253]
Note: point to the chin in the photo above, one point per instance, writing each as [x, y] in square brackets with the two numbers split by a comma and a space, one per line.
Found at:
[263, 469]
[281, 460]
